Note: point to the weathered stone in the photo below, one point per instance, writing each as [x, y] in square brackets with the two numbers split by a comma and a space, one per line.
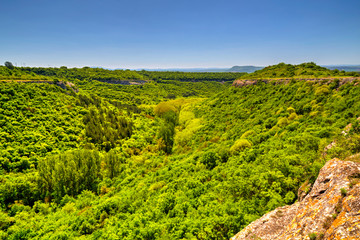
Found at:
[331, 210]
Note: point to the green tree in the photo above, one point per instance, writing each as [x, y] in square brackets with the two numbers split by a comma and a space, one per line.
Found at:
[69, 173]
[9, 65]
[113, 162]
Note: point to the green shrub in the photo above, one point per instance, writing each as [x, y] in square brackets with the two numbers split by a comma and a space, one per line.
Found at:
[355, 127]
[283, 122]
[322, 90]
[69, 207]
[209, 160]
[292, 116]
[291, 110]
[240, 145]
[289, 198]
[312, 236]
[343, 192]
[248, 133]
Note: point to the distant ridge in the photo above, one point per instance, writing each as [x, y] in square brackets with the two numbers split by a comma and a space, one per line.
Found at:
[247, 69]
[346, 68]
[184, 69]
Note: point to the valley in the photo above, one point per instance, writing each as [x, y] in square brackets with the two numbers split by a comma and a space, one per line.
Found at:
[177, 156]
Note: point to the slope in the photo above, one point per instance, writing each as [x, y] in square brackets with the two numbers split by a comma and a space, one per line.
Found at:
[242, 151]
[304, 70]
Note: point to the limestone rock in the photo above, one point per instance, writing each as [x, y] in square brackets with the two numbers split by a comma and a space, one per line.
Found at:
[331, 210]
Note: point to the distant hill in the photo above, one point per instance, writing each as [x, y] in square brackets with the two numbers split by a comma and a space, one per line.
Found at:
[184, 69]
[307, 70]
[248, 69]
[346, 68]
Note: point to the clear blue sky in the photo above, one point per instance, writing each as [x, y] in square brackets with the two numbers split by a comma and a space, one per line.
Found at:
[181, 33]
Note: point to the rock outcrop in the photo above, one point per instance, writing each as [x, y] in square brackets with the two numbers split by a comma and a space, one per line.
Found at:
[331, 210]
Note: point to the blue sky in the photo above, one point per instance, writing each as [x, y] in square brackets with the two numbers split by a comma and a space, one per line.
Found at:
[184, 34]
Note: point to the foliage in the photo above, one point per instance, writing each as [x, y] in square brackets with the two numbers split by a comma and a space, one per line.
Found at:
[9, 65]
[101, 74]
[191, 76]
[9, 72]
[91, 165]
[283, 70]
[312, 236]
[36, 119]
[151, 93]
[105, 128]
[167, 130]
[69, 173]
[240, 145]
[85, 73]
[248, 133]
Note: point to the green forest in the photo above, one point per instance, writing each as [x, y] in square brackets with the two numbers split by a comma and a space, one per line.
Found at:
[172, 156]
[100, 74]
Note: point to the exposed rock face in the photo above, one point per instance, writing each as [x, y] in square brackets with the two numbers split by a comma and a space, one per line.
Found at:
[331, 210]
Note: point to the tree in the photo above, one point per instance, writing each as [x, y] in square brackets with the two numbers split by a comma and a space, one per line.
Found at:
[69, 173]
[9, 65]
[113, 163]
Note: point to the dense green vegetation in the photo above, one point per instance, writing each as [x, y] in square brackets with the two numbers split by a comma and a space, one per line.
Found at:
[192, 76]
[304, 70]
[151, 92]
[101, 74]
[14, 73]
[162, 160]
[85, 73]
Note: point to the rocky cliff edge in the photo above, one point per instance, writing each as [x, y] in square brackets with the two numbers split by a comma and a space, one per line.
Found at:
[330, 210]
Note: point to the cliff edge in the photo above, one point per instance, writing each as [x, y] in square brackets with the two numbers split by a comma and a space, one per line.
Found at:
[330, 210]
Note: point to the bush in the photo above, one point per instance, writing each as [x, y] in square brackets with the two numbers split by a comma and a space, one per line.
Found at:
[223, 154]
[247, 133]
[291, 110]
[239, 146]
[292, 116]
[312, 236]
[355, 128]
[283, 122]
[209, 160]
[322, 90]
[164, 107]
[343, 192]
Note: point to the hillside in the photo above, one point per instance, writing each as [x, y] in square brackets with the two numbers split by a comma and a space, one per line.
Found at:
[304, 70]
[85, 73]
[15, 73]
[249, 69]
[106, 75]
[192, 76]
[153, 161]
